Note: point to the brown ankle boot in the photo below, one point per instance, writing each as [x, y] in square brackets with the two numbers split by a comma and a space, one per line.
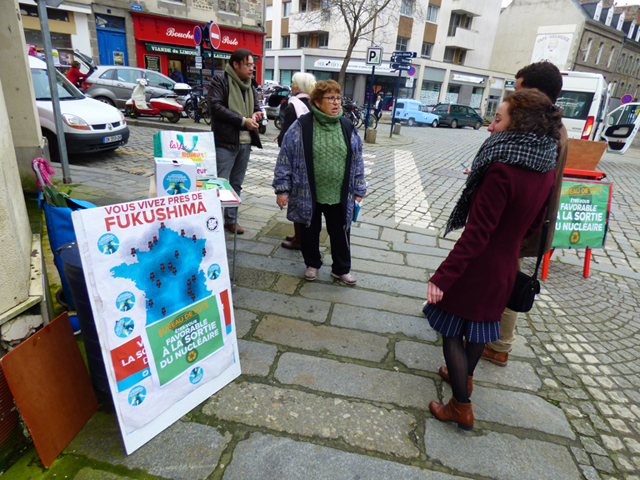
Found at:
[454, 412]
[293, 241]
[497, 358]
[444, 373]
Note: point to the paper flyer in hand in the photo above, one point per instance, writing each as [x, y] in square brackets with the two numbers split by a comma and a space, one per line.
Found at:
[158, 281]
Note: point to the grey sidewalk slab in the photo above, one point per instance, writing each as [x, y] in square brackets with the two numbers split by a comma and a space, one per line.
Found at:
[356, 381]
[270, 302]
[271, 458]
[498, 455]
[382, 322]
[306, 336]
[429, 358]
[256, 358]
[361, 298]
[300, 413]
[184, 450]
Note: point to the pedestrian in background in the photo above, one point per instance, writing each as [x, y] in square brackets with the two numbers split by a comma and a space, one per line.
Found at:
[319, 171]
[546, 78]
[74, 75]
[502, 203]
[378, 108]
[235, 114]
[302, 84]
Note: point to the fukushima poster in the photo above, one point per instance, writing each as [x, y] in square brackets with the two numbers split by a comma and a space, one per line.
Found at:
[158, 281]
[582, 215]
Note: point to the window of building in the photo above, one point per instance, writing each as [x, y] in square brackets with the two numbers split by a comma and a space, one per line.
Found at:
[286, 41]
[432, 13]
[587, 50]
[268, 74]
[461, 57]
[303, 41]
[323, 40]
[285, 76]
[406, 8]
[610, 59]
[624, 59]
[267, 44]
[286, 9]
[599, 55]
[308, 5]
[449, 54]
[268, 13]
[459, 20]
[426, 49]
[402, 44]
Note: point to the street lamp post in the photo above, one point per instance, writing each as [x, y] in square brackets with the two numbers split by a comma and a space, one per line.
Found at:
[53, 84]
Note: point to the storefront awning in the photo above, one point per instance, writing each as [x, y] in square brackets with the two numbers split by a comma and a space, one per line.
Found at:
[177, 50]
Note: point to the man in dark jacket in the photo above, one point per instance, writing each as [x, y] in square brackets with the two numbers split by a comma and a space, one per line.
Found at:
[235, 117]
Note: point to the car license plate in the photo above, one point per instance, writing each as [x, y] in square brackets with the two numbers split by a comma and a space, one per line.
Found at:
[114, 138]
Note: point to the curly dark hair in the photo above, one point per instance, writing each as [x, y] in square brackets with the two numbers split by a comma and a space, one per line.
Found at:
[543, 76]
[532, 111]
[322, 88]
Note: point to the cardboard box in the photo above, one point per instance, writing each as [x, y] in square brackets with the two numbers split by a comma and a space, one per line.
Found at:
[175, 176]
[584, 154]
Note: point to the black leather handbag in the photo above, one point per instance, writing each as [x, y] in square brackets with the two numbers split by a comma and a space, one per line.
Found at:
[525, 287]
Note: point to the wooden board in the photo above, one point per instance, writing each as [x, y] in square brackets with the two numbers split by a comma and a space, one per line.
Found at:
[51, 386]
[584, 154]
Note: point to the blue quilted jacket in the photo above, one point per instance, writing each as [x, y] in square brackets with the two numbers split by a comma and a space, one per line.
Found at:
[294, 174]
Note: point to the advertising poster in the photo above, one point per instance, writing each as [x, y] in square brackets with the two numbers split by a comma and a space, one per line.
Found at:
[554, 48]
[158, 281]
[583, 214]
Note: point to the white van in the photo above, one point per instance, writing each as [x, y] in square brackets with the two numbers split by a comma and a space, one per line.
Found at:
[89, 125]
[583, 100]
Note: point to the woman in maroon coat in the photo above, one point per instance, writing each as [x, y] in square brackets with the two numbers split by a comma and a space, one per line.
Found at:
[502, 203]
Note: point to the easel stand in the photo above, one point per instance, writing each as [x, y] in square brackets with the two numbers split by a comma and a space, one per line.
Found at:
[547, 258]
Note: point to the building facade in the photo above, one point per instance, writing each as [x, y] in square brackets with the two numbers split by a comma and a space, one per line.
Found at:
[588, 36]
[155, 35]
[453, 40]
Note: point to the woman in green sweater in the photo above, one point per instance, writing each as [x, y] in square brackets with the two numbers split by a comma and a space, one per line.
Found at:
[319, 171]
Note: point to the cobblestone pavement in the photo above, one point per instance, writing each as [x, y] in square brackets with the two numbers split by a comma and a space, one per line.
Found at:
[337, 380]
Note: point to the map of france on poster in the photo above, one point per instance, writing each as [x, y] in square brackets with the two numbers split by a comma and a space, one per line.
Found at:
[158, 281]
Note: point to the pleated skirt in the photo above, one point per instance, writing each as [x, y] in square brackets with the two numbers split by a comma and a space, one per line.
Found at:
[450, 325]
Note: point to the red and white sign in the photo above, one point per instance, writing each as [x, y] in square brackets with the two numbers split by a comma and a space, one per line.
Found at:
[214, 36]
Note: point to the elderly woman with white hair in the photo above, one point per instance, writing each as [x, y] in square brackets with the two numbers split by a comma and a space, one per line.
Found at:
[302, 84]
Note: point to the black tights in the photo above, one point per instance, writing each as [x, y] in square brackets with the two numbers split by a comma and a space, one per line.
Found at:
[461, 362]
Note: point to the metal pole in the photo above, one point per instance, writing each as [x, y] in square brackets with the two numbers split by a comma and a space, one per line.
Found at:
[366, 115]
[53, 86]
[395, 103]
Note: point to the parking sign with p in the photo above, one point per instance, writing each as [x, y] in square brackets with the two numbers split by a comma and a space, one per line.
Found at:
[374, 56]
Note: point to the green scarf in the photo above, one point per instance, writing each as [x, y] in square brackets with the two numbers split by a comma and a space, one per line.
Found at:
[329, 156]
[243, 106]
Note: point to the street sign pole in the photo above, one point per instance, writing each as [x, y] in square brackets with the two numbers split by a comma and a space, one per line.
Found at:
[366, 115]
[395, 104]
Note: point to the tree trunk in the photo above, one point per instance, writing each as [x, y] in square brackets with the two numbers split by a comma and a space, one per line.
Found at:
[345, 63]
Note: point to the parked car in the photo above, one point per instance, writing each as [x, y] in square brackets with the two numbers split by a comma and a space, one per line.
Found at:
[113, 84]
[89, 125]
[413, 112]
[457, 116]
[273, 101]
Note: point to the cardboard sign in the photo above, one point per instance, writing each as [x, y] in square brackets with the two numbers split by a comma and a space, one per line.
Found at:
[158, 280]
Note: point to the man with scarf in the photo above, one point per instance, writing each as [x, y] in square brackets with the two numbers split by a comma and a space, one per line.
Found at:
[235, 117]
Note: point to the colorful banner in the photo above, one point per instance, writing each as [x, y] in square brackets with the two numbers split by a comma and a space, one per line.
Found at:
[158, 281]
[583, 214]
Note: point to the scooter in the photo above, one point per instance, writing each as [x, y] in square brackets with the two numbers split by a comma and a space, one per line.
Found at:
[166, 106]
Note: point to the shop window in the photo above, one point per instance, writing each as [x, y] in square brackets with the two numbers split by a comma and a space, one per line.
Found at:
[109, 21]
[426, 50]
[432, 13]
[402, 44]
[476, 97]
[286, 41]
[268, 74]
[229, 6]
[430, 92]
[286, 9]
[303, 41]
[323, 40]
[267, 44]
[58, 40]
[285, 76]
[406, 8]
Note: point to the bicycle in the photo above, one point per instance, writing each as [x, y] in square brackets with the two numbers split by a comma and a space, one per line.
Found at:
[202, 110]
[352, 112]
[373, 120]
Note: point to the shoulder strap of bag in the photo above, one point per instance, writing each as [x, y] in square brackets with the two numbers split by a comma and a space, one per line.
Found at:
[543, 236]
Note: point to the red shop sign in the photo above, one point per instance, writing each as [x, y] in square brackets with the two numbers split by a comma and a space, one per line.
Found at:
[149, 28]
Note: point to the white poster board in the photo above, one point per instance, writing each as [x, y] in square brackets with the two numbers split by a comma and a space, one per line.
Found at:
[158, 281]
[554, 48]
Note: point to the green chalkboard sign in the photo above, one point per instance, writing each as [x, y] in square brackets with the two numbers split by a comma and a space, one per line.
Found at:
[583, 214]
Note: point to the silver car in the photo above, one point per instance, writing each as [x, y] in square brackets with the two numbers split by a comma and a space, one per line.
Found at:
[113, 84]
